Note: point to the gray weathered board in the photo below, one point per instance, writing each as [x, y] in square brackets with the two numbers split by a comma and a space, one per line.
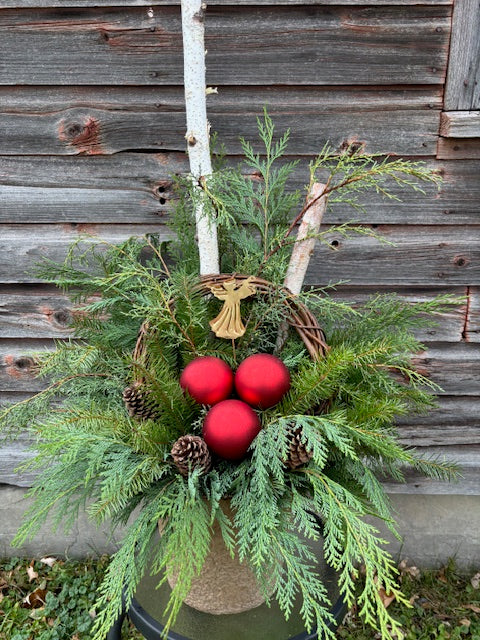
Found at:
[22, 4]
[460, 124]
[92, 129]
[97, 121]
[136, 188]
[458, 148]
[420, 255]
[246, 45]
[462, 90]
[45, 313]
[452, 366]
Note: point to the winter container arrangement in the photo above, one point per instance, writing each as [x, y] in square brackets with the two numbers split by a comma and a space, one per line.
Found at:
[211, 396]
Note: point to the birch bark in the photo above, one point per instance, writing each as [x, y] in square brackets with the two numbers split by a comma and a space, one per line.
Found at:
[197, 136]
[305, 243]
[302, 251]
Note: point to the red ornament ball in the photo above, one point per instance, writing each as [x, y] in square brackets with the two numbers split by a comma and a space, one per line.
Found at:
[207, 379]
[229, 428]
[262, 380]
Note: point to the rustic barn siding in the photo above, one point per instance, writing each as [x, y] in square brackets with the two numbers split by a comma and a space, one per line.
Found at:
[92, 125]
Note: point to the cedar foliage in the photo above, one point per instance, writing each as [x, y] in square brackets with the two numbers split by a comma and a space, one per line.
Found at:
[91, 454]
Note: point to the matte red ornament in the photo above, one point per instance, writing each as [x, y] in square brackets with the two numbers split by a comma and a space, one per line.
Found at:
[207, 379]
[229, 429]
[262, 380]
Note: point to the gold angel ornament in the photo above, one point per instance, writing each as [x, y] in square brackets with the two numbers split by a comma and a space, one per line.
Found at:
[228, 323]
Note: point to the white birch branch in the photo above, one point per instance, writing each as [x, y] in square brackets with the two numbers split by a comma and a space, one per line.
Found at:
[302, 250]
[305, 243]
[197, 136]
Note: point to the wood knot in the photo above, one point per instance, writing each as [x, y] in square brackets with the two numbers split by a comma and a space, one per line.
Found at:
[74, 130]
[24, 363]
[351, 146]
[62, 317]
[84, 136]
[460, 261]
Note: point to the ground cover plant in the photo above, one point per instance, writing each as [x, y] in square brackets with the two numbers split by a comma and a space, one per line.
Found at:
[49, 599]
[445, 602]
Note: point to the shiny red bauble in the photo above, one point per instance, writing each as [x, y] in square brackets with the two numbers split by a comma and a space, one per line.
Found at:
[229, 429]
[207, 379]
[262, 380]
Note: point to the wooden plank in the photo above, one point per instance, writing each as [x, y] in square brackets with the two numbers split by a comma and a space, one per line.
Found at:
[246, 45]
[472, 326]
[460, 124]
[43, 312]
[453, 367]
[12, 455]
[458, 148]
[37, 4]
[421, 256]
[136, 188]
[98, 132]
[86, 121]
[22, 247]
[17, 371]
[124, 188]
[449, 325]
[285, 100]
[468, 459]
[440, 434]
[454, 422]
[34, 314]
[463, 81]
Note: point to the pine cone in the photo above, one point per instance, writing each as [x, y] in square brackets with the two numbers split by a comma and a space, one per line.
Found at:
[191, 452]
[298, 453]
[139, 402]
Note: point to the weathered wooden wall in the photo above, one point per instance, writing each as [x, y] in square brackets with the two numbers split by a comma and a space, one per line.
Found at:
[92, 128]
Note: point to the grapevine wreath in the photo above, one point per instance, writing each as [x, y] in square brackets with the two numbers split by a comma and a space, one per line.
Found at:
[178, 392]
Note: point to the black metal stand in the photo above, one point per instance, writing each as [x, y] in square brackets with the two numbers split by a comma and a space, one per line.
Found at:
[151, 628]
[265, 622]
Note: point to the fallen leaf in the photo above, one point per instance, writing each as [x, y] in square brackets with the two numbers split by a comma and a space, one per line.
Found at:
[465, 622]
[473, 607]
[414, 598]
[49, 561]
[37, 614]
[405, 568]
[475, 581]
[35, 600]
[1, 596]
[32, 574]
[441, 575]
[386, 598]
